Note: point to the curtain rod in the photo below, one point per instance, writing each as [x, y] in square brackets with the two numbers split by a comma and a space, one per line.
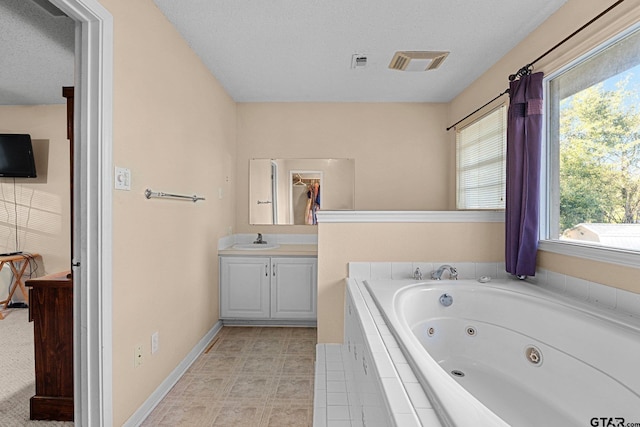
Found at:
[476, 110]
[526, 70]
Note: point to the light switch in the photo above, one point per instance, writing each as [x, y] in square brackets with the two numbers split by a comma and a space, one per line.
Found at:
[122, 179]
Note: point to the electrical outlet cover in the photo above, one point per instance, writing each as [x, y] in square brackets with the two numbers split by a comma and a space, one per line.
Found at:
[122, 178]
[155, 342]
[138, 356]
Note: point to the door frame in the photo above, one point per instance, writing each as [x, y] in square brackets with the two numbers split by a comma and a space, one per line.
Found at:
[92, 257]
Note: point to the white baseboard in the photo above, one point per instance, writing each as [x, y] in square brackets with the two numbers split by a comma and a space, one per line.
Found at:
[143, 411]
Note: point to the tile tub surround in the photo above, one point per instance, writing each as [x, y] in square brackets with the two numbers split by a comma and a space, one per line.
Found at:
[258, 377]
[603, 296]
[405, 402]
[598, 294]
[405, 270]
[334, 410]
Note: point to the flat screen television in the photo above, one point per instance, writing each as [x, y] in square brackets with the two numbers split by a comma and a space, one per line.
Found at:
[16, 156]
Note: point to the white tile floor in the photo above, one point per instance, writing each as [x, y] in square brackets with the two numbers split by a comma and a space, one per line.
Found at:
[331, 405]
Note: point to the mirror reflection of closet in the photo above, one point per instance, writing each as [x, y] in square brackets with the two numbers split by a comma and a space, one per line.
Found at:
[305, 196]
[274, 188]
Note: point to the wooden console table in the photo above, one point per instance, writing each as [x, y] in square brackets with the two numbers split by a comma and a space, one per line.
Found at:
[51, 310]
[12, 260]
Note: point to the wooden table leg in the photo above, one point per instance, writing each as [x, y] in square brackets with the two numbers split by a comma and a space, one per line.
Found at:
[8, 299]
[18, 281]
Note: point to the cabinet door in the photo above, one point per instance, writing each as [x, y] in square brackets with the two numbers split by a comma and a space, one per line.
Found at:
[293, 288]
[244, 288]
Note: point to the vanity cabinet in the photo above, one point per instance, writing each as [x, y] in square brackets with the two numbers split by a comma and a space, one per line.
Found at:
[244, 287]
[268, 288]
[294, 288]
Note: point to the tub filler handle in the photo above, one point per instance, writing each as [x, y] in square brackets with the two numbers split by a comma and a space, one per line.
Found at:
[437, 274]
[446, 300]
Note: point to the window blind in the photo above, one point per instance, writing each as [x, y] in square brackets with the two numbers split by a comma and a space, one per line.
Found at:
[481, 162]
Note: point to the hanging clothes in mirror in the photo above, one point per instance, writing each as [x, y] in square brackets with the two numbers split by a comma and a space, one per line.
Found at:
[313, 203]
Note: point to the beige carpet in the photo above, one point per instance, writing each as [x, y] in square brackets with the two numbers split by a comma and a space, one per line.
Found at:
[17, 383]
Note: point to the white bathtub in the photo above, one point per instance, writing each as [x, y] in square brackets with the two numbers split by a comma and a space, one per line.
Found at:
[585, 363]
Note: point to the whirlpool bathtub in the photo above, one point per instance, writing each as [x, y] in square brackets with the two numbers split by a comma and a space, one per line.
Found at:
[507, 353]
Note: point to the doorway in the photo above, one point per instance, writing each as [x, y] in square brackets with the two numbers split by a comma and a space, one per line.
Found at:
[304, 196]
[91, 258]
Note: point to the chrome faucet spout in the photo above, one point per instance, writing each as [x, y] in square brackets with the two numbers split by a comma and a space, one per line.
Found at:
[417, 275]
[259, 240]
[437, 274]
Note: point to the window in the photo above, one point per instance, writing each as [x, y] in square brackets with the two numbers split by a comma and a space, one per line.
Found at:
[593, 143]
[480, 158]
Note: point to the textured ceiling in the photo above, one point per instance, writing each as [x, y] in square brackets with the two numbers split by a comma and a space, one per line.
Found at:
[300, 50]
[285, 50]
[37, 51]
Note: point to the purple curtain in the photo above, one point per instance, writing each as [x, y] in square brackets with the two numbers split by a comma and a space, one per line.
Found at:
[524, 141]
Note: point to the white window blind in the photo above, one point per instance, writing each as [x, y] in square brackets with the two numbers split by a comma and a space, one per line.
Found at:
[481, 162]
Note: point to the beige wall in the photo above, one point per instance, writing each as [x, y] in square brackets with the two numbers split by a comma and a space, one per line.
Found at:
[339, 244]
[399, 151]
[43, 202]
[570, 17]
[175, 129]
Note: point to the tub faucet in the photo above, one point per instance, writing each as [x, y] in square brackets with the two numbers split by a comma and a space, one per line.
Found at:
[417, 275]
[259, 240]
[437, 274]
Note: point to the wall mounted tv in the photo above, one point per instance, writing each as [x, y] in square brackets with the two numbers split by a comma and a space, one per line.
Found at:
[16, 156]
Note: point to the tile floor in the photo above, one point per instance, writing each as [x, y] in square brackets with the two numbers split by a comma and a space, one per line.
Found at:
[254, 377]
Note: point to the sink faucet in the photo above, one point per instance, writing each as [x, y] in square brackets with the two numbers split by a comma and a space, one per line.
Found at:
[417, 275]
[437, 274]
[259, 240]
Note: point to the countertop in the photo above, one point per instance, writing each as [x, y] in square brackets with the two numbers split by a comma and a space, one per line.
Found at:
[282, 250]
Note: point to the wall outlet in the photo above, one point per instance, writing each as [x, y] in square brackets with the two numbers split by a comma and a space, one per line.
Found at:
[155, 342]
[137, 361]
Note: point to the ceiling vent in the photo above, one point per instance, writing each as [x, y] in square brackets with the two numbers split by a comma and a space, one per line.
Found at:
[358, 61]
[417, 60]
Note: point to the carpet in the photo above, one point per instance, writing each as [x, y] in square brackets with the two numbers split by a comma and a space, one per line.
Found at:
[17, 382]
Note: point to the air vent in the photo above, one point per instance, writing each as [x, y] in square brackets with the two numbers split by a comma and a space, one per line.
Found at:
[358, 61]
[417, 60]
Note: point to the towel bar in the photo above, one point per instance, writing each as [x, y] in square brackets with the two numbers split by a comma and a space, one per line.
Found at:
[159, 194]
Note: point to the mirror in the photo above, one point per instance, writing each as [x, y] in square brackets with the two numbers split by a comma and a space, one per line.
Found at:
[291, 191]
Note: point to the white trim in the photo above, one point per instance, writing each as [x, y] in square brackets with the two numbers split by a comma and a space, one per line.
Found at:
[597, 49]
[325, 217]
[549, 183]
[159, 393]
[92, 319]
[624, 257]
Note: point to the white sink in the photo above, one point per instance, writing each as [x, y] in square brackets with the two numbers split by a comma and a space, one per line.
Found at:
[255, 246]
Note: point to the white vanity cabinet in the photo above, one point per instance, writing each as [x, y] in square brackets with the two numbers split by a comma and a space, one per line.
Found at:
[268, 288]
[244, 287]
